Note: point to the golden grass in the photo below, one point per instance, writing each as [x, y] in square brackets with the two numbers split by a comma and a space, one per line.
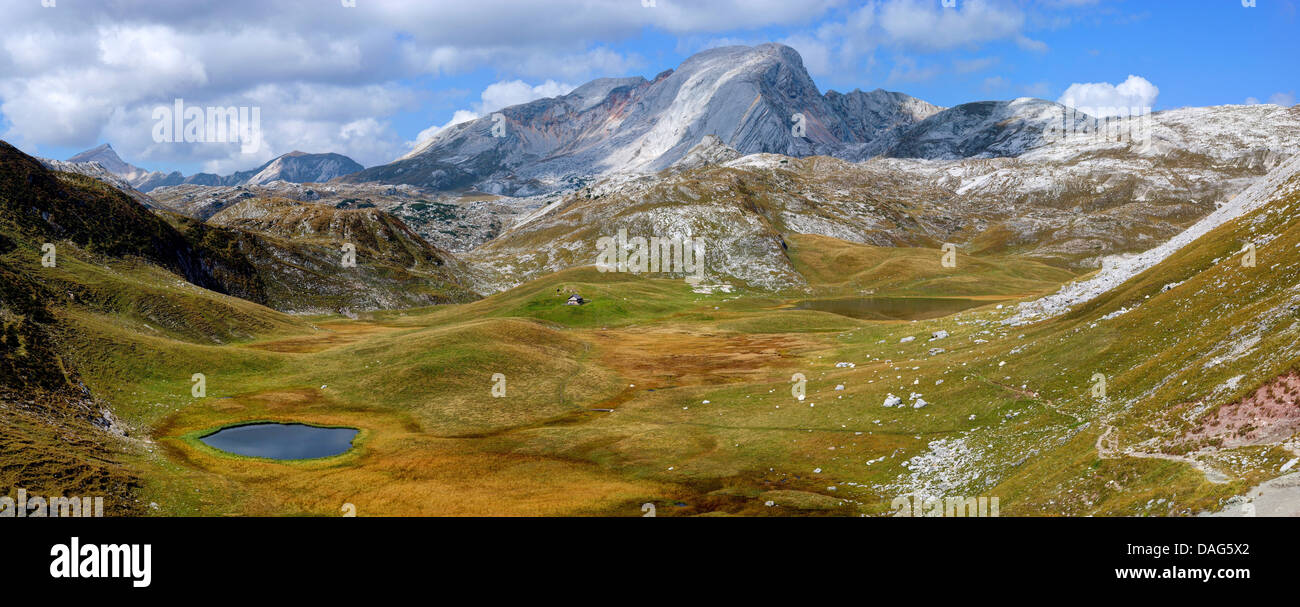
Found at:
[835, 266]
[338, 334]
[394, 469]
[435, 442]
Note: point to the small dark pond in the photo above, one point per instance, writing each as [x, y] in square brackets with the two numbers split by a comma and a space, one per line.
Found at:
[281, 441]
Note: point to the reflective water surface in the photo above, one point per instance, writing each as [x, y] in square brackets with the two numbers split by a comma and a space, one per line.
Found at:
[281, 441]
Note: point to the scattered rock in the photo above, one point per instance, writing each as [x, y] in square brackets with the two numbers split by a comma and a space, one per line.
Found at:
[800, 500]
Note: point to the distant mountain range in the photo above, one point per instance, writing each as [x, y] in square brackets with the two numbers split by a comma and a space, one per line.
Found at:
[756, 99]
[294, 167]
[753, 99]
[272, 251]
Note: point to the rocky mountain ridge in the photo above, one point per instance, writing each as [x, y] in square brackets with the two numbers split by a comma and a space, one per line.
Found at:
[754, 99]
[294, 167]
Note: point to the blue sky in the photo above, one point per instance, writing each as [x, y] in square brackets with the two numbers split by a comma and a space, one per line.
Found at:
[370, 81]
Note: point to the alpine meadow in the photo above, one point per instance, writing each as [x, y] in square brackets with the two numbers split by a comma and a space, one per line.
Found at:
[632, 258]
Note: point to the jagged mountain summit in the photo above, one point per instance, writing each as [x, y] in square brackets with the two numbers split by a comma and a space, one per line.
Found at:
[294, 167]
[753, 99]
[107, 157]
[104, 159]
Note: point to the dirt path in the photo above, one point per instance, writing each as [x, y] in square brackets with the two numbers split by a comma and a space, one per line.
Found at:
[1105, 452]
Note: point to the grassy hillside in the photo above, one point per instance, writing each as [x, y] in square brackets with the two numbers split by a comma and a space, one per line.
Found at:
[61, 436]
[657, 391]
[833, 267]
[684, 399]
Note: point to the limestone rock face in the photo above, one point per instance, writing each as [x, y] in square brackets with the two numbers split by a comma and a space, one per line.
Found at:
[752, 99]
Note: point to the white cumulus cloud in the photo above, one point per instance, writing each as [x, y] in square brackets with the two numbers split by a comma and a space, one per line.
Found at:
[496, 96]
[505, 94]
[1102, 99]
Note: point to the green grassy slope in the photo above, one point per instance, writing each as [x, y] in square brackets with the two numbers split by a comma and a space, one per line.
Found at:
[1010, 411]
[833, 266]
[127, 274]
[655, 392]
